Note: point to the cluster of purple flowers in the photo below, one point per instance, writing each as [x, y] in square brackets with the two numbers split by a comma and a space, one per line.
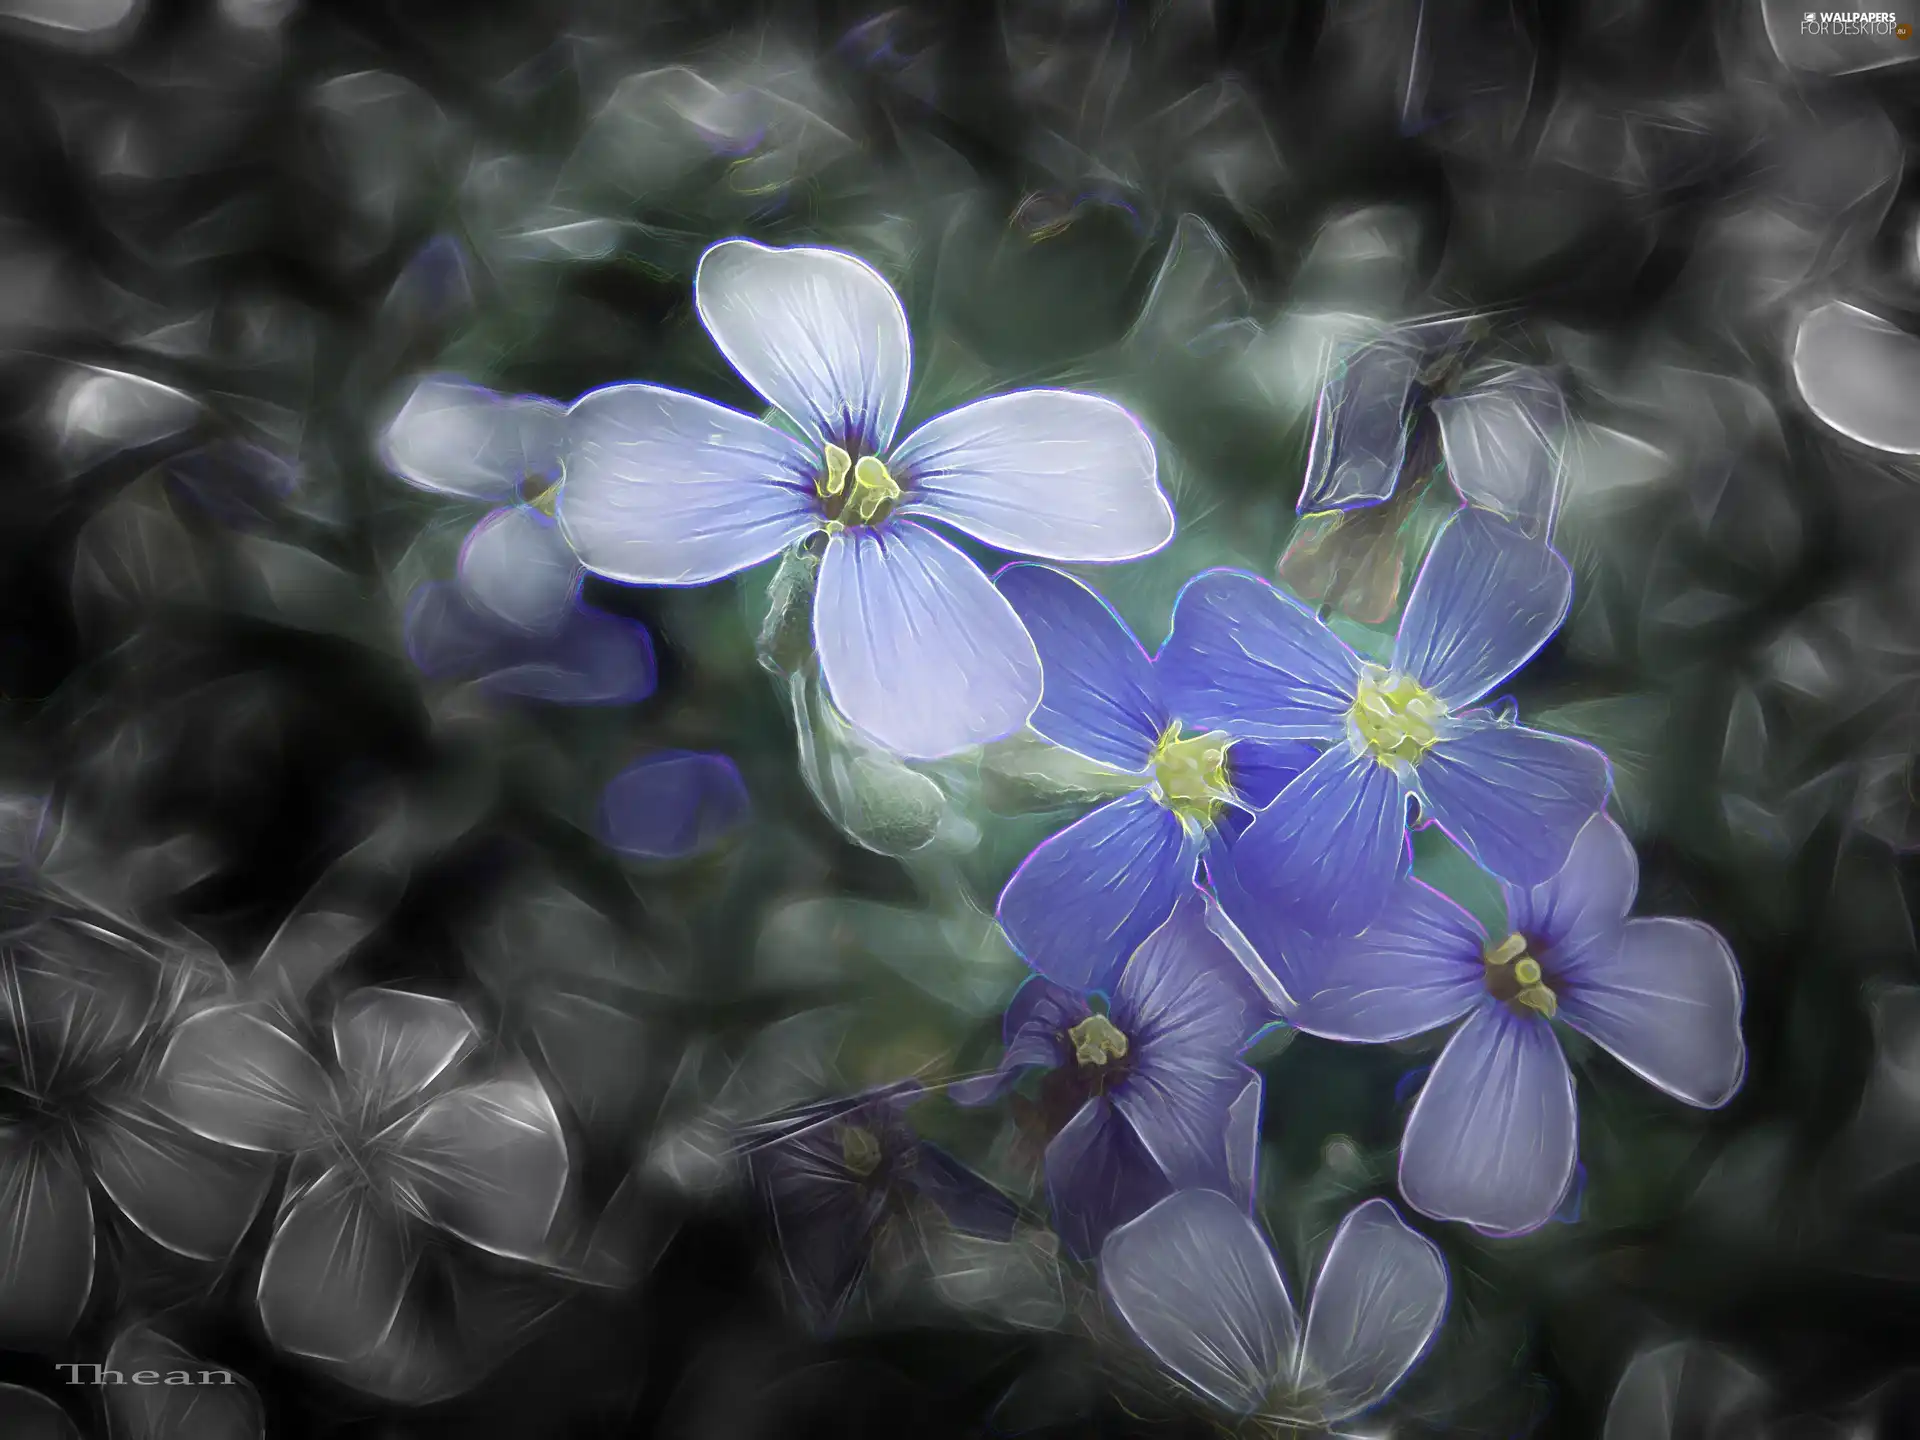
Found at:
[1256, 865]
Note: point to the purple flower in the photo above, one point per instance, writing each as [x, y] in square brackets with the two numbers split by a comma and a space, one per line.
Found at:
[917, 647]
[1082, 902]
[672, 804]
[1491, 1140]
[836, 1175]
[1147, 1095]
[1195, 1281]
[1251, 660]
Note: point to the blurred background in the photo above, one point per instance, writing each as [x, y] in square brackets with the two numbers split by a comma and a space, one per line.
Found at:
[232, 235]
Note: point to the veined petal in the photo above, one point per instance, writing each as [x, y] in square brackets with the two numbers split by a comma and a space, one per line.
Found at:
[1665, 999]
[1081, 903]
[393, 1044]
[193, 1196]
[1099, 1176]
[1100, 695]
[460, 439]
[1500, 439]
[1516, 798]
[1485, 601]
[1258, 770]
[517, 568]
[1586, 901]
[818, 332]
[918, 649]
[663, 488]
[1251, 660]
[46, 1262]
[1039, 1014]
[231, 1075]
[487, 1163]
[1491, 1138]
[335, 1273]
[1196, 1282]
[1052, 473]
[1331, 846]
[224, 1409]
[1377, 1302]
[1417, 967]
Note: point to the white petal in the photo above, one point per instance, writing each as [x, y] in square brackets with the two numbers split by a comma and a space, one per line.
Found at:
[461, 439]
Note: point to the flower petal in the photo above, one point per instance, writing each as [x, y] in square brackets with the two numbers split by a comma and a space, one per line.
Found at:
[1052, 473]
[231, 1075]
[1196, 1281]
[918, 649]
[221, 1406]
[1417, 967]
[460, 439]
[1100, 696]
[970, 1204]
[593, 659]
[1485, 601]
[1666, 1001]
[673, 803]
[1243, 1141]
[663, 488]
[818, 332]
[1332, 844]
[1099, 1176]
[46, 1216]
[193, 1196]
[1249, 659]
[488, 1163]
[393, 1044]
[1586, 902]
[335, 1273]
[1037, 1017]
[1360, 428]
[1081, 903]
[1258, 770]
[1491, 1138]
[1517, 799]
[1499, 441]
[823, 1214]
[1377, 1302]
[517, 568]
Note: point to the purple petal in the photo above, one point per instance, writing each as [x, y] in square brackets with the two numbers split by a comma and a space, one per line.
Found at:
[1332, 844]
[818, 332]
[823, 1214]
[393, 1044]
[1196, 1281]
[193, 1196]
[1377, 1302]
[594, 658]
[231, 1075]
[1499, 442]
[335, 1273]
[669, 489]
[1249, 659]
[1100, 696]
[970, 1205]
[1187, 1009]
[460, 439]
[919, 650]
[1259, 928]
[1099, 1176]
[672, 804]
[216, 1409]
[1360, 427]
[1666, 1001]
[1517, 799]
[1417, 967]
[1258, 770]
[1052, 473]
[517, 568]
[1243, 1142]
[46, 1267]
[1485, 601]
[1585, 903]
[487, 1163]
[1491, 1138]
[1081, 903]
[1037, 1016]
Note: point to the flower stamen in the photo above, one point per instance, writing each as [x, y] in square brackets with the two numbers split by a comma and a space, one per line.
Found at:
[1190, 775]
[1097, 1041]
[1397, 717]
[859, 1149]
[1515, 977]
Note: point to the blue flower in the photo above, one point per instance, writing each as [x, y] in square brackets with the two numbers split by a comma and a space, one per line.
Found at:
[1148, 1095]
[1083, 901]
[1195, 1281]
[1253, 661]
[1491, 1140]
[917, 647]
[672, 804]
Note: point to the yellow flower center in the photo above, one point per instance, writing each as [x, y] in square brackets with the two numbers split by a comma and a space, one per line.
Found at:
[1190, 775]
[859, 1149]
[1396, 716]
[1096, 1040]
[856, 492]
[1515, 977]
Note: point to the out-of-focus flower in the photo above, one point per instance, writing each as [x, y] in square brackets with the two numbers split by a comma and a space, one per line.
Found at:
[1857, 372]
[1146, 1095]
[82, 1010]
[1253, 661]
[394, 1136]
[1491, 1140]
[917, 648]
[838, 1175]
[1083, 901]
[592, 658]
[1196, 1282]
[672, 804]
